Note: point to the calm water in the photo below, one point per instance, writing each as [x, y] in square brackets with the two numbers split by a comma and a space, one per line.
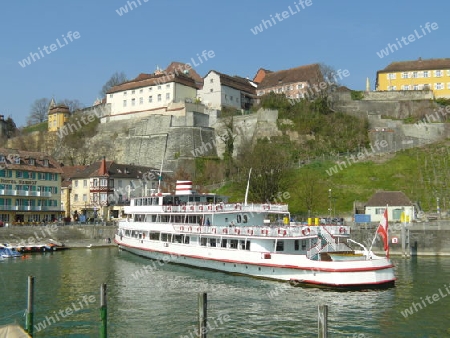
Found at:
[163, 303]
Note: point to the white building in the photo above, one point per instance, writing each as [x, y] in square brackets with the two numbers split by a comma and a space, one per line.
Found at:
[397, 203]
[159, 92]
[221, 90]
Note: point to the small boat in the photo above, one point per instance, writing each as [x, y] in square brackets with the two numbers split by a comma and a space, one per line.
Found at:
[9, 252]
[259, 240]
[54, 247]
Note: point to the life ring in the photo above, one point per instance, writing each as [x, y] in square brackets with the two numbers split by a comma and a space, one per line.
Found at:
[209, 207]
[225, 230]
[264, 232]
[213, 230]
[199, 229]
[266, 207]
[282, 232]
[219, 207]
[183, 208]
[306, 231]
[192, 208]
[190, 229]
[238, 207]
[181, 228]
[341, 230]
[250, 231]
[237, 231]
[200, 208]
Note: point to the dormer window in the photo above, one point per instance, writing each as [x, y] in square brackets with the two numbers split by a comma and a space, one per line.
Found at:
[17, 159]
[31, 161]
[45, 162]
[2, 159]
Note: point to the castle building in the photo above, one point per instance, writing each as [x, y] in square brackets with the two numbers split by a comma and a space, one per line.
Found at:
[295, 83]
[58, 115]
[3, 127]
[30, 187]
[430, 74]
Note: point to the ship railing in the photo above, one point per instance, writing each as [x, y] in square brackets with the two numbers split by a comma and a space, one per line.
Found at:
[221, 207]
[314, 251]
[337, 229]
[264, 231]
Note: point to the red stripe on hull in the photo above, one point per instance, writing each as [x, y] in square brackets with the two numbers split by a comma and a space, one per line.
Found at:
[264, 264]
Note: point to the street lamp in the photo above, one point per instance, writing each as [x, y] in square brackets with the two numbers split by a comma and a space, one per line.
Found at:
[329, 197]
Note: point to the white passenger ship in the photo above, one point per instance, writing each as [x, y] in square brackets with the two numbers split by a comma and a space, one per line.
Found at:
[205, 231]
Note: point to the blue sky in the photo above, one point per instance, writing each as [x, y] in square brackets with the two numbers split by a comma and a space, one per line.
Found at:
[342, 34]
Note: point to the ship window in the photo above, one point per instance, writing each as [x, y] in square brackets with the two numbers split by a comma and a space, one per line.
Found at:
[178, 238]
[242, 245]
[234, 243]
[224, 243]
[203, 241]
[212, 242]
[166, 237]
[296, 245]
[280, 246]
[303, 244]
[154, 236]
[247, 245]
[186, 239]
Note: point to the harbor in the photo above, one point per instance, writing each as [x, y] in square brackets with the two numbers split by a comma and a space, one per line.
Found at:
[162, 302]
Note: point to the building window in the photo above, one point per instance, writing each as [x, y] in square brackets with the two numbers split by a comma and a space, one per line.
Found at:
[150, 89]
[19, 174]
[448, 85]
[76, 183]
[405, 75]
[392, 76]
[261, 92]
[84, 198]
[119, 183]
[141, 91]
[416, 87]
[124, 103]
[141, 100]
[31, 161]
[379, 211]
[231, 98]
[405, 87]
[211, 90]
[159, 97]
[415, 75]
[439, 86]
[111, 183]
[167, 96]
[133, 102]
[211, 80]
[95, 182]
[124, 93]
[110, 96]
[84, 183]
[280, 90]
[168, 85]
[159, 87]
[150, 99]
[2, 159]
[132, 92]
[438, 73]
[426, 74]
[103, 182]
[75, 198]
[16, 159]
[300, 86]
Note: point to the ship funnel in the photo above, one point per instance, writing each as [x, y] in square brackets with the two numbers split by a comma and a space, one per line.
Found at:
[183, 188]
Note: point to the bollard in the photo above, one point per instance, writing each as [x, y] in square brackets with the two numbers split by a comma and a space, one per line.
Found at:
[29, 318]
[103, 312]
[322, 321]
[202, 314]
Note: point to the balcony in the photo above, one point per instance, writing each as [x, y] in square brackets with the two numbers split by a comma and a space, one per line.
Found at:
[8, 192]
[28, 208]
[100, 188]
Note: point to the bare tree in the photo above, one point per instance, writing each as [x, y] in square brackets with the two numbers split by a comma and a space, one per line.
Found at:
[38, 111]
[115, 79]
[73, 105]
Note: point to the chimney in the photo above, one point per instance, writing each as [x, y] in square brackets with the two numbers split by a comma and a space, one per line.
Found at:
[102, 170]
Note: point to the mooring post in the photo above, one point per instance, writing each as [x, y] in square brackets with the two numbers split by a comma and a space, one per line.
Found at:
[202, 314]
[103, 311]
[30, 305]
[322, 321]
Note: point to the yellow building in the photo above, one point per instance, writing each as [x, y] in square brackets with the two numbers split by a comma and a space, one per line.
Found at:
[431, 74]
[30, 187]
[58, 115]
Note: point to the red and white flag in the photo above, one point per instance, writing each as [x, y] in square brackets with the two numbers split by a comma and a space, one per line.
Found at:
[383, 231]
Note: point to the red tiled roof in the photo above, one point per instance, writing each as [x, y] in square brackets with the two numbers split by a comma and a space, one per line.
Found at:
[392, 198]
[68, 172]
[260, 74]
[308, 73]
[235, 82]
[178, 67]
[11, 154]
[429, 64]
